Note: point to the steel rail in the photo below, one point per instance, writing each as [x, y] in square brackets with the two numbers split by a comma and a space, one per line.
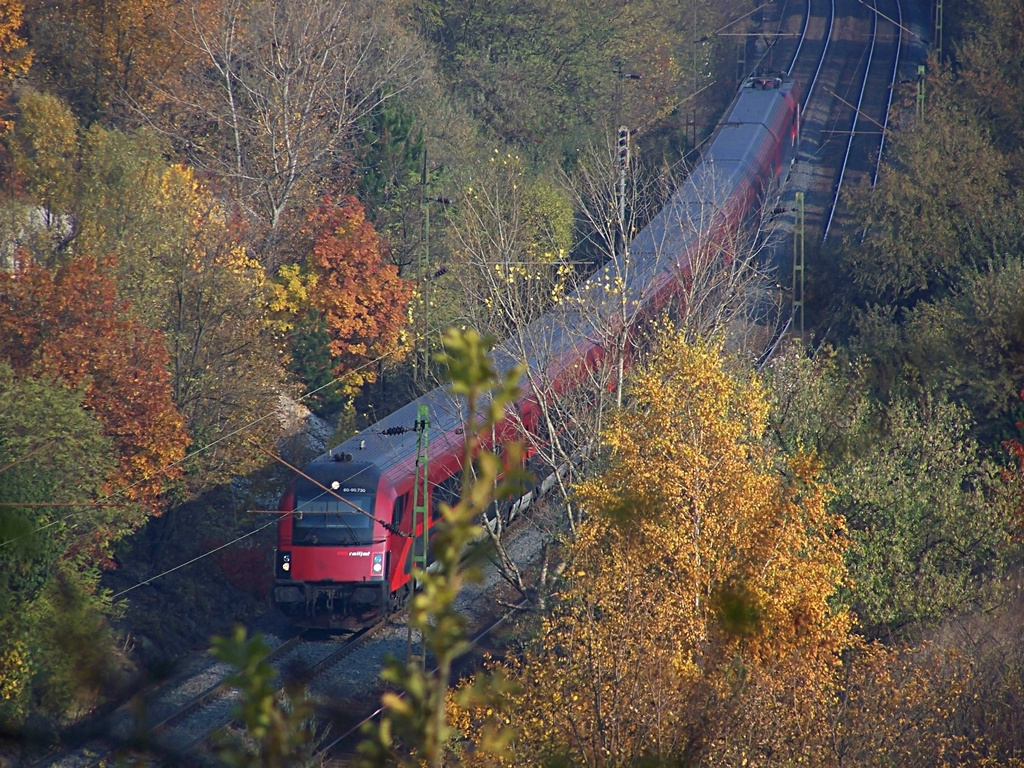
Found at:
[892, 90]
[853, 126]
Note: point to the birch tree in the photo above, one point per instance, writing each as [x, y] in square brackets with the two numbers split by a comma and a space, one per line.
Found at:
[279, 88]
[696, 622]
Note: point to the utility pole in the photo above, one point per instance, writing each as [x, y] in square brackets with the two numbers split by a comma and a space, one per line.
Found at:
[422, 348]
[623, 163]
[920, 91]
[421, 353]
[621, 248]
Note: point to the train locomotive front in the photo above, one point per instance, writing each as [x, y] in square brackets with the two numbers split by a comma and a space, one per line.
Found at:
[333, 564]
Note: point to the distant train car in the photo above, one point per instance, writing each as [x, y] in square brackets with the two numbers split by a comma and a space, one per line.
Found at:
[344, 561]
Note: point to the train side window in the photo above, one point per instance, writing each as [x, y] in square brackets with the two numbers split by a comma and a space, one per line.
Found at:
[446, 491]
[402, 515]
[396, 513]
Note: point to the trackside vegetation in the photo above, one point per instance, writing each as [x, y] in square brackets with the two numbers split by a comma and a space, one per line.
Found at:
[222, 222]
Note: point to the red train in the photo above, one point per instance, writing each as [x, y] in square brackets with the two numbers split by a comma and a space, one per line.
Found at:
[347, 560]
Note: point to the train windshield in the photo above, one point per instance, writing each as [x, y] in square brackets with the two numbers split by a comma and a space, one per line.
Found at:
[322, 519]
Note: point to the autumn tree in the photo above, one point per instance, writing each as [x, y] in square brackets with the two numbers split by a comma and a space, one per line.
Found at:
[180, 258]
[345, 280]
[110, 60]
[696, 623]
[44, 151]
[89, 445]
[278, 90]
[15, 59]
[953, 699]
[69, 325]
[511, 235]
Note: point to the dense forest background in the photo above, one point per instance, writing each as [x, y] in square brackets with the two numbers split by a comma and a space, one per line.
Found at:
[216, 211]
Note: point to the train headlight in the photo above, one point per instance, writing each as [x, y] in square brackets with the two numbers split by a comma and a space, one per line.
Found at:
[378, 563]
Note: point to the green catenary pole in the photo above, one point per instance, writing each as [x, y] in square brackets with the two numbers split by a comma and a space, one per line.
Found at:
[419, 492]
[419, 511]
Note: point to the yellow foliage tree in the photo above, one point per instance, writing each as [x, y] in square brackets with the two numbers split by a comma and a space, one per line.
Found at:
[696, 622]
[14, 60]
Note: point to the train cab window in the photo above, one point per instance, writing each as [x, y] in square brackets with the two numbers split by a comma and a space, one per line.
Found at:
[323, 519]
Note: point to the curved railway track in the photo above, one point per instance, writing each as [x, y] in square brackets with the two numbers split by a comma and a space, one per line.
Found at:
[870, 112]
[848, 100]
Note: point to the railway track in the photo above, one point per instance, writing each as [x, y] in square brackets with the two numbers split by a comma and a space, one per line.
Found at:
[341, 750]
[869, 111]
[173, 724]
[869, 48]
[176, 720]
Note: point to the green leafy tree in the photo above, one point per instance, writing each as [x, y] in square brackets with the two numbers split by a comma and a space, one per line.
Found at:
[547, 71]
[311, 363]
[921, 233]
[185, 264]
[989, 53]
[389, 180]
[969, 345]
[928, 514]
[52, 645]
[122, 209]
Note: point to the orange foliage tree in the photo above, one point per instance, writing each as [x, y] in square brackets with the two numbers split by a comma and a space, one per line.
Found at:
[68, 325]
[360, 296]
[696, 623]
